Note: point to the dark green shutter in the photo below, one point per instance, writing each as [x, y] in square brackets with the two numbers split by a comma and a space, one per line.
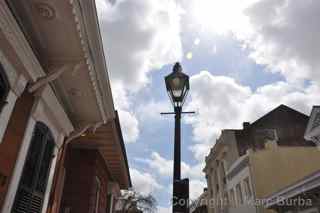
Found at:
[4, 88]
[33, 182]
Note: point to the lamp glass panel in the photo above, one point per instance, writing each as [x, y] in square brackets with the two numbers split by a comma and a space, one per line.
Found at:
[177, 85]
[177, 93]
[176, 82]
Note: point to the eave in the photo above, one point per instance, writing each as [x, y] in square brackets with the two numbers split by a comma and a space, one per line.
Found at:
[65, 34]
[108, 140]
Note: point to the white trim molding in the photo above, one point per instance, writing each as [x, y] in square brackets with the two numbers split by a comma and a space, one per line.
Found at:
[14, 182]
[86, 19]
[6, 113]
[14, 35]
[48, 110]
[51, 176]
[17, 84]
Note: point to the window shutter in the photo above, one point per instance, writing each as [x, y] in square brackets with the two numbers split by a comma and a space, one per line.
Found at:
[30, 193]
[4, 88]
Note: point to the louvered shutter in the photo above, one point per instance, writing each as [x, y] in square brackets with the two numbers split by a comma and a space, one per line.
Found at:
[4, 88]
[33, 182]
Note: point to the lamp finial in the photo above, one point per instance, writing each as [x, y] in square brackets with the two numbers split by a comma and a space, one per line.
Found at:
[177, 67]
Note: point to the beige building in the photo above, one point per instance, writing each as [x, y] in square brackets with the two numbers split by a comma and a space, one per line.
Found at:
[302, 196]
[246, 165]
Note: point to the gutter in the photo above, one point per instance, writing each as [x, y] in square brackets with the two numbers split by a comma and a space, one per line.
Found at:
[123, 148]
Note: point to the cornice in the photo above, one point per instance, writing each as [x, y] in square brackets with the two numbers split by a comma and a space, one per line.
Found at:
[32, 69]
[85, 17]
[18, 41]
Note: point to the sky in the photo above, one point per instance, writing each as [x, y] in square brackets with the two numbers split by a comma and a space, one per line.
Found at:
[244, 58]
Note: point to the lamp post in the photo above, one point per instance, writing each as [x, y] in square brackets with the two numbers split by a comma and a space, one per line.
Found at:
[177, 85]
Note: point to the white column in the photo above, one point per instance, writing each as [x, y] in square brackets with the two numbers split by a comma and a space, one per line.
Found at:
[6, 112]
[14, 183]
[50, 179]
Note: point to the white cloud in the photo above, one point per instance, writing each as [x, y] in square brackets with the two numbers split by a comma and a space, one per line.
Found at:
[129, 124]
[150, 111]
[282, 34]
[138, 36]
[216, 16]
[196, 188]
[161, 165]
[223, 103]
[144, 182]
[164, 167]
[286, 37]
[162, 209]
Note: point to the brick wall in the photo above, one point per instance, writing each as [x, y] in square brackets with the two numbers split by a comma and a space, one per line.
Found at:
[82, 168]
[104, 176]
[10, 146]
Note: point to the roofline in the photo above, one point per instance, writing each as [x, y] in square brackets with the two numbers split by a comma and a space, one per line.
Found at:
[123, 148]
[281, 105]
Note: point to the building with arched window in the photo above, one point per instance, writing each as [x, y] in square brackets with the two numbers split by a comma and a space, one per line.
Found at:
[57, 152]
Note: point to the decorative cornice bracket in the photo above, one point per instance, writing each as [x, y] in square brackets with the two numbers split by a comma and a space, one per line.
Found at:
[80, 131]
[45, 80]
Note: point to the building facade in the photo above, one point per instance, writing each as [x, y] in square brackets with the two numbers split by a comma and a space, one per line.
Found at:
[246, 165]
[302, 196]
[58, 124]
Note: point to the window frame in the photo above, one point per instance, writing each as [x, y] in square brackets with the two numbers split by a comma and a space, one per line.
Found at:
[247, 188]
[232, 197]
[239, 194]
[32, 188]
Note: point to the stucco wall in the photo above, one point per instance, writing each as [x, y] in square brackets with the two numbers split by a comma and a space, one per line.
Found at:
[276, 167]
[229, 140]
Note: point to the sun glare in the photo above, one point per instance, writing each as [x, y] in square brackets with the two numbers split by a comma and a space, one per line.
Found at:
[221, 16]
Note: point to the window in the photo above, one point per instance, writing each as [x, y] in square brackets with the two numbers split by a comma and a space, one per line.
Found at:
[232, 197]
[239, 194]
[224, 180]
[35, 173]
[247, 188]
[4, 88]
[223, 168]
[225, 201]
[216, 176]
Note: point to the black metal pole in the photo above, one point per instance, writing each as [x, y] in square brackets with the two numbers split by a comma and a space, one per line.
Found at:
[177, 159]
[177, 144]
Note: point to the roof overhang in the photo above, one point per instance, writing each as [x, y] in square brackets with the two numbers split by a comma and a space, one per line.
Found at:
[108, 140]
[306, 184]
[65, 34]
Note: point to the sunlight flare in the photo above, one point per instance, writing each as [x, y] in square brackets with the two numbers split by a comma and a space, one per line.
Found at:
[221, 16]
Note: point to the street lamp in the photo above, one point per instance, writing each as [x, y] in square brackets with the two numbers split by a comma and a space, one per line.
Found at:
[177, 84]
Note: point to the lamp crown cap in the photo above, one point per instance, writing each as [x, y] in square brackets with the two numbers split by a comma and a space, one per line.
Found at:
[177, 67]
